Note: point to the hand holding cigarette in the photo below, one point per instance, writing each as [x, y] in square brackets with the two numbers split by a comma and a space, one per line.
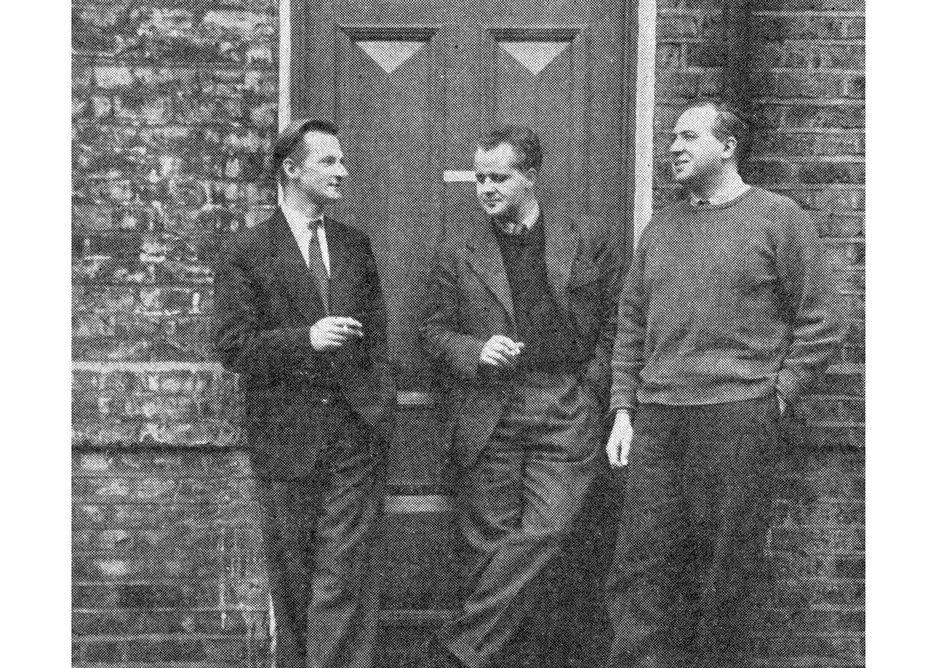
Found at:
[334, 331]
[500, 352]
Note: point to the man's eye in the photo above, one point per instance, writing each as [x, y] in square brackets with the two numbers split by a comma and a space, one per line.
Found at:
[499, 178]
[480, 178]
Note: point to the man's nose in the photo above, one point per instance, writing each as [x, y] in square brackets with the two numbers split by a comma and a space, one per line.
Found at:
[676, 146]
[341, 170]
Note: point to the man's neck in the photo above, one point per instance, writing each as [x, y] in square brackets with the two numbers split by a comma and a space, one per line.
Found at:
[722, 188]
[522, 221]
[301, 206]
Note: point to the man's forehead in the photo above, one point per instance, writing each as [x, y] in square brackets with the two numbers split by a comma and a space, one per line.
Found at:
[696, 118]
[321, 142]
[501, 157]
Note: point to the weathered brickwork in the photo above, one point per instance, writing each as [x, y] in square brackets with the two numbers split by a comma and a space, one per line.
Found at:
[167, 562]
[174, 111]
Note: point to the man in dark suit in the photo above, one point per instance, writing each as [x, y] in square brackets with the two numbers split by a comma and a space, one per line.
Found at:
[522, 312]
[300, 317]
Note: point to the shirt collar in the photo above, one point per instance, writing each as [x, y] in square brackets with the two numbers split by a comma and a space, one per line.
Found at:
[721, 198]
[301, 225]
[519, 227]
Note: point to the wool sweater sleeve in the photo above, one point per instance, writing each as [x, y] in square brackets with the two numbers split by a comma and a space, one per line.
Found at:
[809, 301]
[628, 355]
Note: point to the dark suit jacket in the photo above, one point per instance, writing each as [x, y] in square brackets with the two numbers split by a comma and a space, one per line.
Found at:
[266, 299]
[470, 301]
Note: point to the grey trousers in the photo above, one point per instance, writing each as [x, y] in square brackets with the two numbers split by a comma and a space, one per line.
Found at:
[320, 533]
[689, 569]
[517, 504]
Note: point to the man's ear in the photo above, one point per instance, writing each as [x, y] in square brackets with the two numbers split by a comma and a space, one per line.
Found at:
[729, 148]
[531, 175]
[289, 167]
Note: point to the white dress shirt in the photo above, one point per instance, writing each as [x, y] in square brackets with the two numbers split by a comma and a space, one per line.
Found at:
[300, 226]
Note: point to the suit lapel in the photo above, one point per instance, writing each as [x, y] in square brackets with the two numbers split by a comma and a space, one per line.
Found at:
[296, 277]
[485, 258]
[338, 251]
[560, 247]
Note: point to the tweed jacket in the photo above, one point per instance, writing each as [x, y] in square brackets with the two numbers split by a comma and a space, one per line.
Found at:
[470, 300]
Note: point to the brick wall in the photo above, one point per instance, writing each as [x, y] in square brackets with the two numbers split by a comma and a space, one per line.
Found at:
[174, 108]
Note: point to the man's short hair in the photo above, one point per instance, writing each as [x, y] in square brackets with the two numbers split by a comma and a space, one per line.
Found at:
[290, 143]
[523, 140]
[730, 121]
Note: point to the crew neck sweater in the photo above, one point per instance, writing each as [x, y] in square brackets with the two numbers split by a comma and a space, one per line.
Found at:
[548, 339]
[725, 302]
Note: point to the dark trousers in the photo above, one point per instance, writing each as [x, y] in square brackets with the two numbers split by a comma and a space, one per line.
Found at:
[517, 505]
[689, 569]
[320, 533]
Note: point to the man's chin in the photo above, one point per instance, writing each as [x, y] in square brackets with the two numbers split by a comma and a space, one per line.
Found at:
[326, 200]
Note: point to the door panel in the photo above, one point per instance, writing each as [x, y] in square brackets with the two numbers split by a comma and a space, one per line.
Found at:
[387, 102]
[538, 79]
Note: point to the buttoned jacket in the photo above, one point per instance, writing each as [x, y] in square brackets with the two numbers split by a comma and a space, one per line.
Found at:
[266, 299]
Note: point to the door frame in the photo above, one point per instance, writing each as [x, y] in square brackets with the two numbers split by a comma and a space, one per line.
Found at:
[638, 88]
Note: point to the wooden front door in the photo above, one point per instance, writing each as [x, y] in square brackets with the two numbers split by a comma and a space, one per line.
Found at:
[412, 84]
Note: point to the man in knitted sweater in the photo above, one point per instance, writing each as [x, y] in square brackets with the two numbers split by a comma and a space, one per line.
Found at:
[726, 316]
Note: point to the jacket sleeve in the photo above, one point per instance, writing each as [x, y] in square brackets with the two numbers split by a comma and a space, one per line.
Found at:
[365, 365]
[598, 371]
[628, 353]
[439, 329]
[242, 342]
[809, 302]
